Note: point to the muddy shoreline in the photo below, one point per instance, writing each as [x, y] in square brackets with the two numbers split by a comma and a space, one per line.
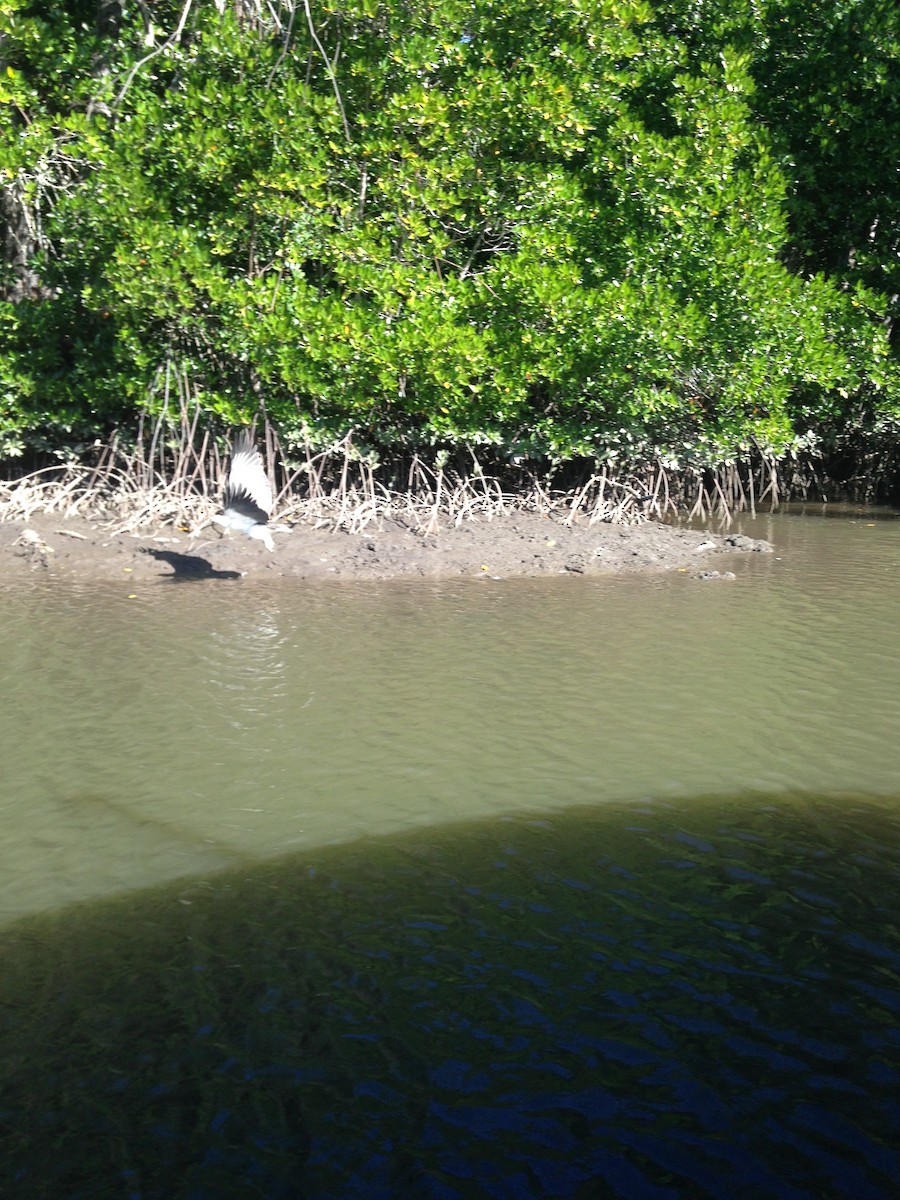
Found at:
[520, 544]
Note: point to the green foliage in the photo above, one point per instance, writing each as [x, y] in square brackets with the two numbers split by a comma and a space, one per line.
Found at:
[563, 228]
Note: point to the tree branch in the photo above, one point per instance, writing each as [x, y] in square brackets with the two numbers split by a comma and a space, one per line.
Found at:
[328, 67]
[170, 41]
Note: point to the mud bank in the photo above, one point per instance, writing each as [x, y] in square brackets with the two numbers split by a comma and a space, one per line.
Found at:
[520, 544]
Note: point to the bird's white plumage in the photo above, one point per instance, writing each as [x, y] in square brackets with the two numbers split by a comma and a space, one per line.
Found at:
[247, 496]
[247, 475]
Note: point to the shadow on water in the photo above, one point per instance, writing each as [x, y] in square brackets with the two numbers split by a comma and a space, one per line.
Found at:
[187, 567]
[645, 1001]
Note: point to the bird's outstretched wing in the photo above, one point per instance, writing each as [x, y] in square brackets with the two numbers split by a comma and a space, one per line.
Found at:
[247, 490]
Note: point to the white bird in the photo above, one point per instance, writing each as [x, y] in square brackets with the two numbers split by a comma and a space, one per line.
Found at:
[247, 498]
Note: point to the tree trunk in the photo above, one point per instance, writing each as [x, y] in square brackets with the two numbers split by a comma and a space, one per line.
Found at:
[18, 280]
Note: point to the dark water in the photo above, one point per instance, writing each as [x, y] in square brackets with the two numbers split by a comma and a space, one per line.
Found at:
[651, 1000]
[610, 909]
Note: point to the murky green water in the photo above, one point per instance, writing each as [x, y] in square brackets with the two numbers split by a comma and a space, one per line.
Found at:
[204, 723]
[561, 888]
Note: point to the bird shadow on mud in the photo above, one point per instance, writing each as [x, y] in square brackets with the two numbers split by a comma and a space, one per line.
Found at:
[188, 567]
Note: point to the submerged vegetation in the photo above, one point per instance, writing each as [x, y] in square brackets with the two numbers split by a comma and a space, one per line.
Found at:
[639, 252]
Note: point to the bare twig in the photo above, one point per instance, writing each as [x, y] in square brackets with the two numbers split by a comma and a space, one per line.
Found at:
[329, 69]
[170, 41]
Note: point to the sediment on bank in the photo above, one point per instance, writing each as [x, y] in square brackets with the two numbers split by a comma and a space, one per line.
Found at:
[516, 544]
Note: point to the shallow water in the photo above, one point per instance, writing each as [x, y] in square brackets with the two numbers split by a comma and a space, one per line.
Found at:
[513, 889]
[204, 723]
